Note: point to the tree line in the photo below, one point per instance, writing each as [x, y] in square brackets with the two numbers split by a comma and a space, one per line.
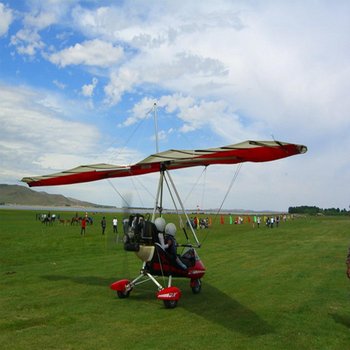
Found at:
[313, 210]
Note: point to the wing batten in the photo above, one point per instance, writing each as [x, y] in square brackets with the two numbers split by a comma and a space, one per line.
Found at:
[248, 151]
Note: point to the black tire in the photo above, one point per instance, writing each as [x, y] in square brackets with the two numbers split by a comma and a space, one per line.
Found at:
[170, 304]
[123, 294]
[197, 287]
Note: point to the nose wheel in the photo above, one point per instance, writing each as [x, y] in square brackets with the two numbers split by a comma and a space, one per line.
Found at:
[170, 304]
[122, 294]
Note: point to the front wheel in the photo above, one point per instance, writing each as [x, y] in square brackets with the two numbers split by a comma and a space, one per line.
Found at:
[122, 294]
[170, 304]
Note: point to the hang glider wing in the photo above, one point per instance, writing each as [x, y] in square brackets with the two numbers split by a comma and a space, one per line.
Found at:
[248, 151]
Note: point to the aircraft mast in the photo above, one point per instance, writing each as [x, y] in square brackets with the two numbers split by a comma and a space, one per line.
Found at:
[156, 125]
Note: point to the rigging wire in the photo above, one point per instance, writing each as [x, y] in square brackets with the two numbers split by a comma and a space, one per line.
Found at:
[204, 187]
[138, 193]
[233, 180]
[145, 188]
[120, 195]
[195, 184]
[117, 153]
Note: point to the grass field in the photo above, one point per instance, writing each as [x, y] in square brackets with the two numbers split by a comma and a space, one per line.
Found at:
[281, 288]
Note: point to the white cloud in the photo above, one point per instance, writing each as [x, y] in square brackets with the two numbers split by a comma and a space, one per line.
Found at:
[196, 115]
[43, 14]
[170, 63]
[58, 161]
[174, 102]
[174, 66]
[121, 156]
[60, 85]
[33, 134]
[153, 26]
[120, 82]
[91, 53]
[40, 20]
[88, 89]
[265, 62]
[6, 16]
[141, 110]
[27, 42]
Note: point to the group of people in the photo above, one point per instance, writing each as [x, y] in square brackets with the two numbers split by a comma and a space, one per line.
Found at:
[114, 224]
[47, 219]
[199, 222]
[103, 225]
[272, 221]
[256, 220]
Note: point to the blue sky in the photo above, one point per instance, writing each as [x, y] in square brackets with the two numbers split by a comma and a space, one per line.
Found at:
[78, 78]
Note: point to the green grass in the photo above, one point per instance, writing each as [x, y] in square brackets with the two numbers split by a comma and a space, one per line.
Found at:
[281, 288]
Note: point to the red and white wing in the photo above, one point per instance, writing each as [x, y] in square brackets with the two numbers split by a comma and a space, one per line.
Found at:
[248, 151]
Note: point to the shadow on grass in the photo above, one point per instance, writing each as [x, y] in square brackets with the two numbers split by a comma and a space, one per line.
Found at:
[344, 320]
[215, 306]
[211, 304]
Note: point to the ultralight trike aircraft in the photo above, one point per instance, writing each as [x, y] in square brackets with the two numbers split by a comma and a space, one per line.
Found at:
[151, 238]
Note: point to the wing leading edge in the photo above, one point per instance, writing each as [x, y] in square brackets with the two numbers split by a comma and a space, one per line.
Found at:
[248, 151]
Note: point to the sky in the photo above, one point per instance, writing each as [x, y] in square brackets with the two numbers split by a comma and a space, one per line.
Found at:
[79, 79]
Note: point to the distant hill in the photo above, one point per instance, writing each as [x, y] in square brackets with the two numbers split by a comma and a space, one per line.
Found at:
[15, 194]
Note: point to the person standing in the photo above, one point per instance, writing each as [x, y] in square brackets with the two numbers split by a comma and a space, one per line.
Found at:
[258, 220]
[103, 225]
[115, 225]
[83, 226]
[348, 264]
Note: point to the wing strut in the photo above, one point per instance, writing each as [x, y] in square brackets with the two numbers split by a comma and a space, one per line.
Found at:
[183, 209]
[159, 197]
[165, 176]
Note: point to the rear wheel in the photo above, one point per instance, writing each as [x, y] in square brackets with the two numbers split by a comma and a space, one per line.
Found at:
[170, 304]
[196, 286]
